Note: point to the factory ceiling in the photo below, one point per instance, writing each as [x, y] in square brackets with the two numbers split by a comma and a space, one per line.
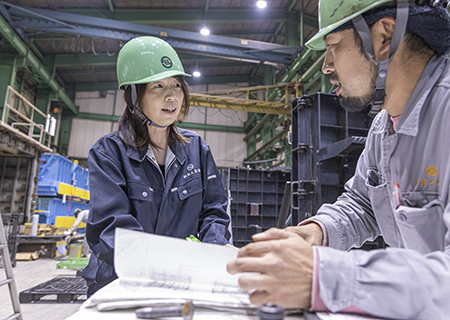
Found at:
[77, 41]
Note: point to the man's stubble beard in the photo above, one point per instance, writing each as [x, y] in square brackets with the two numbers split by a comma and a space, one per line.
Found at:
[358, 104]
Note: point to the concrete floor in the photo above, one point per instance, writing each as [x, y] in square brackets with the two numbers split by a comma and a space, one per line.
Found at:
[27, 275]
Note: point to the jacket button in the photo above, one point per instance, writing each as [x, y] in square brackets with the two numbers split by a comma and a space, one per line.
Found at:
[144, 194]
[184, 192]
[402, 217]
[176, 166]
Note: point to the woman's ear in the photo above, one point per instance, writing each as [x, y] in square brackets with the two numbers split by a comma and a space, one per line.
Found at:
[382, 32]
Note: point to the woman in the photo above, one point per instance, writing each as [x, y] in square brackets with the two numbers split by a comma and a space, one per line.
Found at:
[149, 175]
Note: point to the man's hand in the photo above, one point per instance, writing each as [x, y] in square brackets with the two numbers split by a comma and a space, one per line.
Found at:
[311, 232]
[284, 262]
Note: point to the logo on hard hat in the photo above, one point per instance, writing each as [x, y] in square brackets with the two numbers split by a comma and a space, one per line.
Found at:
[166, 62]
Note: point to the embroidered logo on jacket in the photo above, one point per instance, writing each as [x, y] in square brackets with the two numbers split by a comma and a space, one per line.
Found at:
[191, 171]
[432, 172]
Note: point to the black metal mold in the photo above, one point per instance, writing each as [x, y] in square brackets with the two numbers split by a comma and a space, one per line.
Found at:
[255, 200]
[11, 224]
[326, 144]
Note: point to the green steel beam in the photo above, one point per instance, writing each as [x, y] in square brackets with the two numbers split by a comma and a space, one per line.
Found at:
[187, 16]
[251, 145]
[186, 125]
[210, 127]
[103, 60]
[252, 118]
[258, 127]
[317, 76]
[240, 33]
[64, 135]
[315, 88]
[8, 75]
[111, 6]
[291, 30]
[267, 132]
[98, 116]
[316, 66]
[68, 72]
[280, 136]
[112, 68]
[96, 86]
[69, 60]
[34, 62]
[90, 86]
[308, 55]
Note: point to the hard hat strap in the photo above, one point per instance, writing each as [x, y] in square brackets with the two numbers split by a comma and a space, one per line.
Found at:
[400, 25]
[143, 117]
[364, 32]
[397, 37]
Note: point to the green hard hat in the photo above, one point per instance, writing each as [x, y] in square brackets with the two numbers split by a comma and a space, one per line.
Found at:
[147, 59]
[334, 13]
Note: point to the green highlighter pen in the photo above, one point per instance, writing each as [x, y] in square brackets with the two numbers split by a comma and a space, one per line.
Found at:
[192, 238]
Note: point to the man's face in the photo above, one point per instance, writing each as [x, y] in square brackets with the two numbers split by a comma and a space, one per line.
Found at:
[354, 73]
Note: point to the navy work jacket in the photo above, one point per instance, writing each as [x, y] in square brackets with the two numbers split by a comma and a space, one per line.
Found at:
[128, 190]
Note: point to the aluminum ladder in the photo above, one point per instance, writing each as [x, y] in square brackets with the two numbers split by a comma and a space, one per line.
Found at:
[9, 275]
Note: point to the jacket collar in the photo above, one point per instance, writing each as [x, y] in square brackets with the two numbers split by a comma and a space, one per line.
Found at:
[135, 154]
[409, 121]
[175, 149]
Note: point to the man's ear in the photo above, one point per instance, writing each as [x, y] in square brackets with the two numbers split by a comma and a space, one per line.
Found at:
[382, 32]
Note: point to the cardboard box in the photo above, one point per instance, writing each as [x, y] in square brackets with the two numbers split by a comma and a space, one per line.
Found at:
[26, 256]
[57, 231]
[75, 250]
[45, 230]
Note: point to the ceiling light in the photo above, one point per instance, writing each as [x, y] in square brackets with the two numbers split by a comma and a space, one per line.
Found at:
[196, 73]
[205, 31]
[261, 4]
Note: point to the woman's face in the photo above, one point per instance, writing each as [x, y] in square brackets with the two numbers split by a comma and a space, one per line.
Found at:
[162, 101]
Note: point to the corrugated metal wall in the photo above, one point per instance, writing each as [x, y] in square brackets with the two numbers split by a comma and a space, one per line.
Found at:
[83, 135]
[228, 148]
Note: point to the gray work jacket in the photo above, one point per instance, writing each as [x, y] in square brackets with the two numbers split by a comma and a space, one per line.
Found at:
[129, 191]
[411, 279]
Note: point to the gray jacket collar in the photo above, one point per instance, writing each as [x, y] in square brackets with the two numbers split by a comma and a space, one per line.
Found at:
[409, 121]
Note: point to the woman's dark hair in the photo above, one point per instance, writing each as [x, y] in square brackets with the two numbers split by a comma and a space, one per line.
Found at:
[131, 128]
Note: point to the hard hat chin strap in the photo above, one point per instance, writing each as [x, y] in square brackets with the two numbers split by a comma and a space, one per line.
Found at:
[366, 36]
[135, 110]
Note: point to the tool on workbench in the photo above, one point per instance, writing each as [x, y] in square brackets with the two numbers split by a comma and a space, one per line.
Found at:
[185, 310]
[270, 311]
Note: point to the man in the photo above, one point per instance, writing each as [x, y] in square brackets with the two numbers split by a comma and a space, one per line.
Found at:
[401, 187]
[81, 216]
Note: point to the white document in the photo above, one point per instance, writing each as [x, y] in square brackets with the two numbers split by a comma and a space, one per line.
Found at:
[340, 316]
[153, 267]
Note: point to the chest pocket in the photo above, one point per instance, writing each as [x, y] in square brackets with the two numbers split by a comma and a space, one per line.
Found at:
[190, 188]
[139, 191]
[421, 222]
[378, 192]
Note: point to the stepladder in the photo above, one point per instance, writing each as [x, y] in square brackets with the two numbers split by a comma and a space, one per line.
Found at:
[9, 280]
